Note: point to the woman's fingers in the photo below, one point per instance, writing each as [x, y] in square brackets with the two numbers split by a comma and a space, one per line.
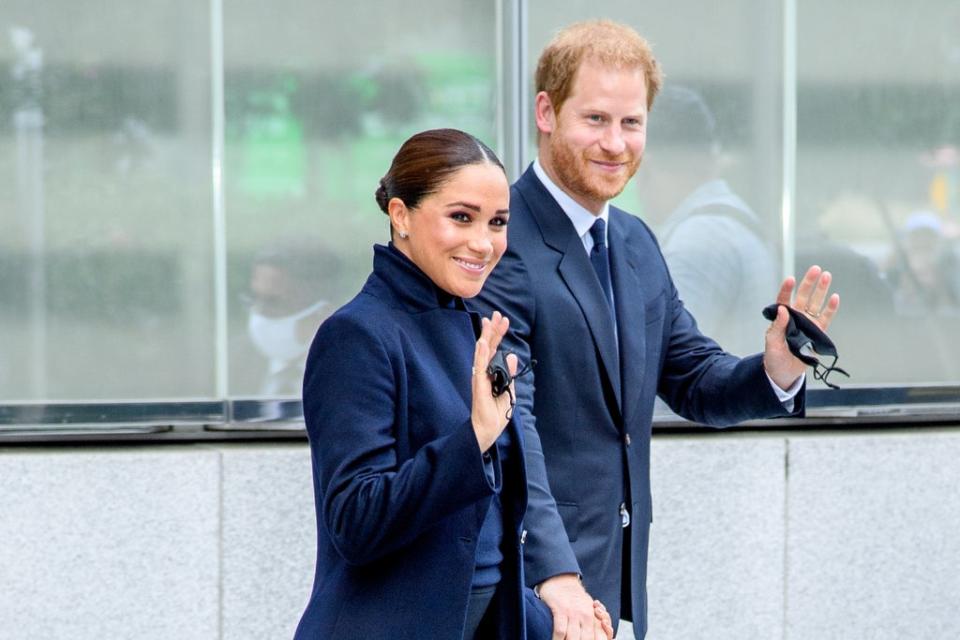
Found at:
[513, 363]
[498, 328]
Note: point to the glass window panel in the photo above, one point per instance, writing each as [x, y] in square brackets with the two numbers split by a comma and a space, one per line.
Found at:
[319, 97]
[105, 226]
[878, 170]
[710, 181]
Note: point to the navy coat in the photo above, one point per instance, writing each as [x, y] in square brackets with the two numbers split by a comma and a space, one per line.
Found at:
[399, 481]
[592, 391]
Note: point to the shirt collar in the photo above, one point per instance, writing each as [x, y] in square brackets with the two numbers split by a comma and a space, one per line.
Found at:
[581, 218]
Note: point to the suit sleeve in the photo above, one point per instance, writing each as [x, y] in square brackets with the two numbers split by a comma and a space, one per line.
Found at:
[547, 551]
[705, 384]
[371, 500]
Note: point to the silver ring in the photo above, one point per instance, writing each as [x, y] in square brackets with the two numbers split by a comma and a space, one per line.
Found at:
[473, 371]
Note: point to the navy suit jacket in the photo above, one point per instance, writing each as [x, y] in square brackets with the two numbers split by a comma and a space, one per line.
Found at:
[588, 406]
[399, 482]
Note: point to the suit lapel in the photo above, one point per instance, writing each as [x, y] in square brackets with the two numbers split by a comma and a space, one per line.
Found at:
[575, 270]
[631, 315]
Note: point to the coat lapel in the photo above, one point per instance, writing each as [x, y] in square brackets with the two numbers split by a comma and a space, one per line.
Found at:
[631, 315]
[575, 270]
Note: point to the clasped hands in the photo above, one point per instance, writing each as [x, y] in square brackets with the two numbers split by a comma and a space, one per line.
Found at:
[576, 616]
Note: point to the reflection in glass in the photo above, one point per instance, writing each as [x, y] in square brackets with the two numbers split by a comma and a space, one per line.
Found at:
[105, 240]
[878, 133]
[314, 113]
[721, 253]
[286, 303]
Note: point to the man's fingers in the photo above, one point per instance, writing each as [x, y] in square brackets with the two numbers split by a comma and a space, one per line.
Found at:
[815, 303]
[559, 626]
[778, 328]
[786, 290]
[807, 285]
[598, 632]
[826, 316]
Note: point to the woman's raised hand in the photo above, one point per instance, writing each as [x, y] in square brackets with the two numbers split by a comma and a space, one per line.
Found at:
[488, 413]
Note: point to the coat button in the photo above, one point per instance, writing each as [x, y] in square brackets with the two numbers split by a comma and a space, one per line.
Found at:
[523, 536]
[626, 439]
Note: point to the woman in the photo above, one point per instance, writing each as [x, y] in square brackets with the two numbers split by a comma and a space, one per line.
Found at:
[418, 471]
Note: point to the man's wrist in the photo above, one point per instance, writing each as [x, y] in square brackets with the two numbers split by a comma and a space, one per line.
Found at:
[536, 587]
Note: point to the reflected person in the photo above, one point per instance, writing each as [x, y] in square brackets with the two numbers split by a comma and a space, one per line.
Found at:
[286, 305]
[717, 248]
[925, 271]
[590, 298]
[418, 468]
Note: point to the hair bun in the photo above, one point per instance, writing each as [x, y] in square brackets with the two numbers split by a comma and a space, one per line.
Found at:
[382, 198]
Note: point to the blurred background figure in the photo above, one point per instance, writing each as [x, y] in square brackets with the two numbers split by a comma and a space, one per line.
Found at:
[718, 250]
[925, 270]
[286, 304]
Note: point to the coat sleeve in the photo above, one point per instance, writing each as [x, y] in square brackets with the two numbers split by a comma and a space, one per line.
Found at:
[547, 551]
[370, 501]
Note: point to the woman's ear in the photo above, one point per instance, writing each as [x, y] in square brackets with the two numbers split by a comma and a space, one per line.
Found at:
[399, 217]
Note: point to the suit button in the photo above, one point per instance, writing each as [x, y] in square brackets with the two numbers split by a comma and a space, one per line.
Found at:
[523, 536]
[626, 439]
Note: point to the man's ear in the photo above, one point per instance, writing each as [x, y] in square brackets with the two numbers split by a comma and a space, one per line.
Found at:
[546, 117]
[399, 216]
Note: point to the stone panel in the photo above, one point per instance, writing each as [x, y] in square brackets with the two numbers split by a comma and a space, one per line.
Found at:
[269, 539]
[119, 543]
[874, 537]
[717, 540]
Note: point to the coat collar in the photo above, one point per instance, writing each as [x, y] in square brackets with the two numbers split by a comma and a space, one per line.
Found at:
[402, 280]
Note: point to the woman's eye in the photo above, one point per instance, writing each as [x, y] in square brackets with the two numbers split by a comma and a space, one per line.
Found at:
[595, 118]
[498, 222]
[459, 216]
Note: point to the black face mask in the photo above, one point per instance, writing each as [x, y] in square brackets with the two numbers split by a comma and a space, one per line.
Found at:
[806, 341]
[500, 377]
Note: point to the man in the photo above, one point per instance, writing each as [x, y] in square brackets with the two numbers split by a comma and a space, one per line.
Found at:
[716, 246]
[609, 333]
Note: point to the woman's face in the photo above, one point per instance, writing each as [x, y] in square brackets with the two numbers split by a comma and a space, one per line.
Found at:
[457, 234]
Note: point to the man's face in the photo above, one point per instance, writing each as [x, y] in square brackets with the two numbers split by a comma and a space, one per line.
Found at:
[594, 145]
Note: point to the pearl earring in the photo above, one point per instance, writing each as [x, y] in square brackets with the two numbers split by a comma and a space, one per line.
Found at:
[403, 235]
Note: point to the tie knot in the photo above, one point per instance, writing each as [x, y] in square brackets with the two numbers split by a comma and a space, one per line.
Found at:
[597, 232]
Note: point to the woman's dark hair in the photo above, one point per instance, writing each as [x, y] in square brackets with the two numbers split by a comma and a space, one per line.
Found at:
[426, 160]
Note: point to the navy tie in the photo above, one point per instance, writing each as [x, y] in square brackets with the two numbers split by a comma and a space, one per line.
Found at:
[600, 258]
